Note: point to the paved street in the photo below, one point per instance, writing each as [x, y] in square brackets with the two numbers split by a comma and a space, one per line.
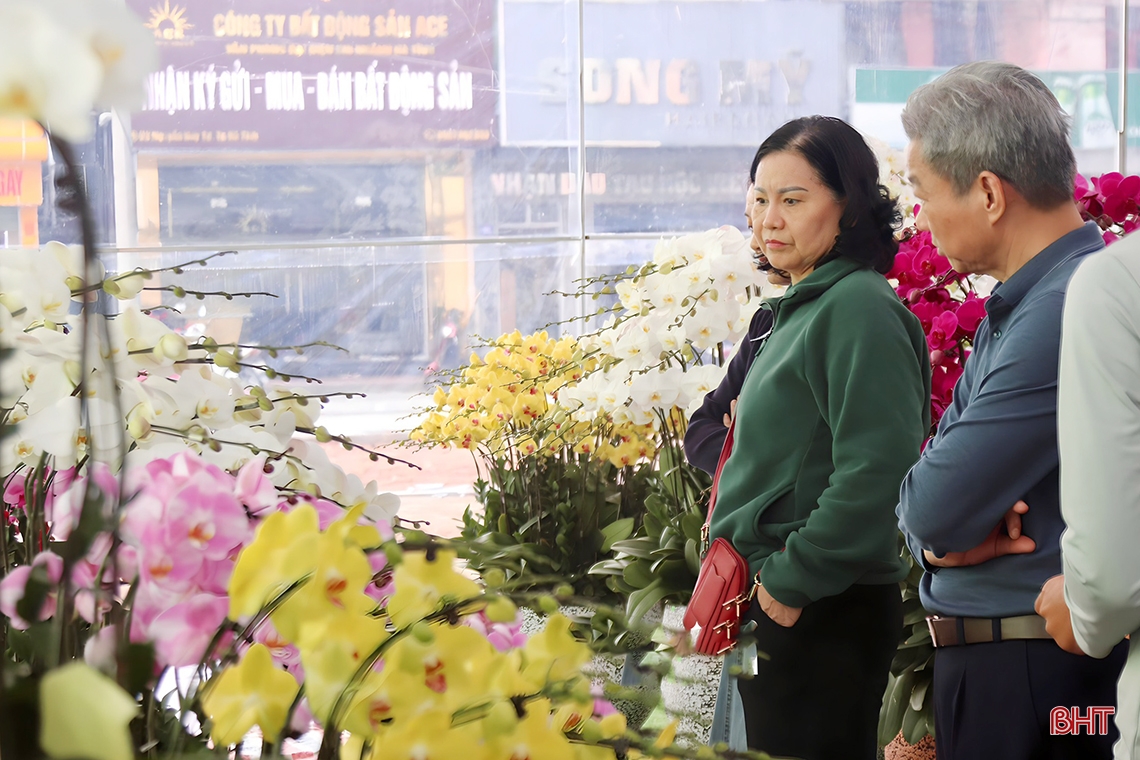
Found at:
[439, 492]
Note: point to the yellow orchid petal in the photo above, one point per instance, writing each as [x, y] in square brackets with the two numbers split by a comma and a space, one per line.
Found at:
[423, 585]
[283, 550]
[255, 692]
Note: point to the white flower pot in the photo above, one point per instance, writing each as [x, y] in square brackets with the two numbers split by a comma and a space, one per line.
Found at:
[688, 693]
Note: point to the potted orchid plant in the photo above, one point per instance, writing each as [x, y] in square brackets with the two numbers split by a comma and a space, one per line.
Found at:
[164, 522]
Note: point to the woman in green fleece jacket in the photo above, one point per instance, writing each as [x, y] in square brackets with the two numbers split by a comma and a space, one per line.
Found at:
[831, 415]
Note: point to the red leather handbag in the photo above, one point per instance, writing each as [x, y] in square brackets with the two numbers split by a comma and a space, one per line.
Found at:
[724, 589]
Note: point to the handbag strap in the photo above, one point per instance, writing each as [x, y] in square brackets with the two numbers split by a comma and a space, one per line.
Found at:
[725, 453]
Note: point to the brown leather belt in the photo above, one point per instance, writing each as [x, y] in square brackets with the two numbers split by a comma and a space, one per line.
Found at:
[956, 631]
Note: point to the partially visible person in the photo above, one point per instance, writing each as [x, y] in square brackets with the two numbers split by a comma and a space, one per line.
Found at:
[708, 427]
[990, 162]
[446, 355]
[1096, 602]
[830, 415]
[704, 439]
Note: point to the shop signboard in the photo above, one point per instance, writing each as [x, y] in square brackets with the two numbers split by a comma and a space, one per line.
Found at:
[1090, 97]
[689, 73]
[338, 74]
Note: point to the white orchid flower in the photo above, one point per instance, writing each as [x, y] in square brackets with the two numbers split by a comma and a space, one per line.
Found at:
[70, 257]
[636, 347]
[655, 390]
[144, 342]
[384, 506]
[33, 287]
[631, 295]
[700, 246]
[210, 396]
[285, 398]
[667, 292]
[698, 382]
[666, 254]
[47, 72]
[52, 430]
[118, 39]
[671, 337]
[613, 395]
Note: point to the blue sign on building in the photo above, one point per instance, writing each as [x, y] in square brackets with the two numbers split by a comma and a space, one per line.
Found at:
[671, 74]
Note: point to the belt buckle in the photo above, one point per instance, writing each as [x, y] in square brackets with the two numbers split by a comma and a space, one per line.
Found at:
[947, 627]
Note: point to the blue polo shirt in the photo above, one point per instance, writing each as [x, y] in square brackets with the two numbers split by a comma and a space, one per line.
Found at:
[996, 444]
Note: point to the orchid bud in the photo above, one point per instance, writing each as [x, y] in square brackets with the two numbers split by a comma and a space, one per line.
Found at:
[591, 732]
[138, 426]
[226, 360]
[172, 346]
[423, 632]
[501, 610]
[125, 287]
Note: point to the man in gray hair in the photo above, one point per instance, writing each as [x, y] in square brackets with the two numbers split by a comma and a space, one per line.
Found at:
[991, 165]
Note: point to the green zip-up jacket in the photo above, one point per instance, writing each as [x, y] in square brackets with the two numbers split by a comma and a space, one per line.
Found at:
[831, 416]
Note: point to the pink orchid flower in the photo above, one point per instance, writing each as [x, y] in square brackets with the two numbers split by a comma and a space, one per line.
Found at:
[182, 632]
[254, 489]
[970, 313]
[15, 583]
[942, 331]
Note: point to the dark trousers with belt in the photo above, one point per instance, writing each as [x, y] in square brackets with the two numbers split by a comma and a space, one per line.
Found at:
[819, 684]
[994, 700]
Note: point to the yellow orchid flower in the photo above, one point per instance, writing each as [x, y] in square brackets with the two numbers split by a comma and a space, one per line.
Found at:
[534, 738]
[554, 654]
[422, 586]
[255, 692]
[590, 752]
[340, 574]
[429, 736]
[283, 550]
[391, 695]
[332, 648]
[458, 663]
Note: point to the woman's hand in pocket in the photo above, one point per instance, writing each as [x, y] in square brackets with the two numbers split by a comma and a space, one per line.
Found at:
[781, 614]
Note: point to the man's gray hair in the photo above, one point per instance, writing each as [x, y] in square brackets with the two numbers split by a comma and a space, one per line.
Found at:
[997, 117]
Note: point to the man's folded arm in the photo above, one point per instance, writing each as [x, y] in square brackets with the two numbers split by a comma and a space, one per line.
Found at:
[1004, 443]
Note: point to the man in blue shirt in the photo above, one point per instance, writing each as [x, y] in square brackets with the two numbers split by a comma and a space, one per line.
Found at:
[990, 161]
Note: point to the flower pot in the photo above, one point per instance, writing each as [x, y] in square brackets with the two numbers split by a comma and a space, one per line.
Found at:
[899, 749]
[616, 670]
[688, 693]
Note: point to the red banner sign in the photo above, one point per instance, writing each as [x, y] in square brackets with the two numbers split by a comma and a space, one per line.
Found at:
[334, 74]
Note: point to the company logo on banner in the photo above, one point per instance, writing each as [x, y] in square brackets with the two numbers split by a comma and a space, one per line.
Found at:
[273, 74]
[695, 73]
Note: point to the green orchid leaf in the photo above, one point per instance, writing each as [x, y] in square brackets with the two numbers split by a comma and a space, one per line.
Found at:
[616, 531]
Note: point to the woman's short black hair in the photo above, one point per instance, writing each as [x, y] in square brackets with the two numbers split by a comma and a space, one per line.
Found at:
[847, 166]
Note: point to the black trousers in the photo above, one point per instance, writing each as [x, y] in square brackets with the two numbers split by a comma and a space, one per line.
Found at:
[818, 692]
[994, 700]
